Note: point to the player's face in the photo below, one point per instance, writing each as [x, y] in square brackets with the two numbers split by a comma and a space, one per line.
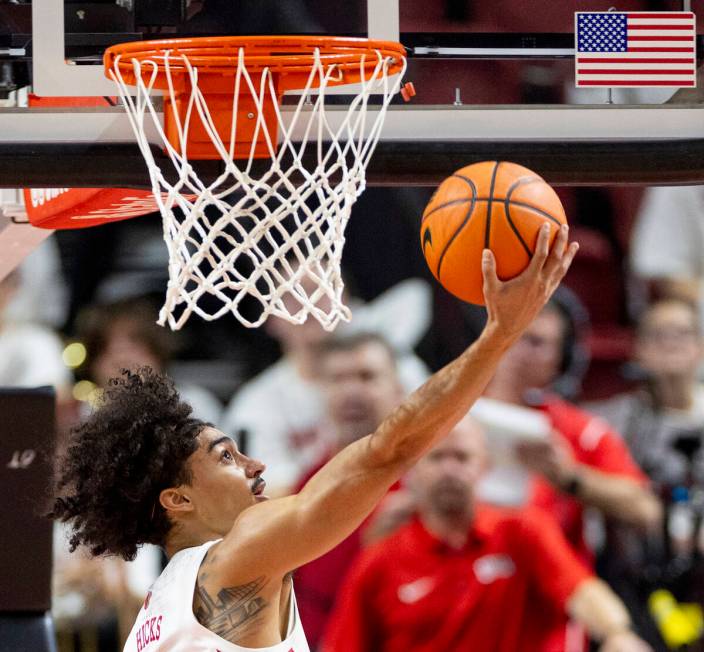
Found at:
[534, 361]
[224, 482]
[361, 387]
[669, 343]
[444, 480]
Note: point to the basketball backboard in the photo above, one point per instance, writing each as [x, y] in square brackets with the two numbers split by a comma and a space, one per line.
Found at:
[492, 80]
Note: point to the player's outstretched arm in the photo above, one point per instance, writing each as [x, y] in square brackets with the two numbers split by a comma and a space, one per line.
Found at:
[283, 534]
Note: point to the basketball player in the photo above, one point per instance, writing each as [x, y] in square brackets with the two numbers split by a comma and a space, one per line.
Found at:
[141, 470]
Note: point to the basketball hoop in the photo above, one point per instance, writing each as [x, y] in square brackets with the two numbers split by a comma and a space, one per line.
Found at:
[253, 242]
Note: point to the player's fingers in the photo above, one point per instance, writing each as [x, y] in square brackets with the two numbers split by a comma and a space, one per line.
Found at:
[564, 264]
[542, 248]
[560, 244]
[569, 257]
[557, 251]
[491, 280]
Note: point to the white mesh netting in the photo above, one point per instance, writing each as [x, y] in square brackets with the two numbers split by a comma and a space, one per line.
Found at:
[267, 244]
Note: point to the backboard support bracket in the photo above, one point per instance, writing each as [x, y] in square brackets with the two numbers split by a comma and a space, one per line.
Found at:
[52, 74]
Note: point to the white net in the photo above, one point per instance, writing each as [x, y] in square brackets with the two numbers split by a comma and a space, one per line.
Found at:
[250, 243]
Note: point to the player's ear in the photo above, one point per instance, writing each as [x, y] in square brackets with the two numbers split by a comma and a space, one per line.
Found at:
[174, 500]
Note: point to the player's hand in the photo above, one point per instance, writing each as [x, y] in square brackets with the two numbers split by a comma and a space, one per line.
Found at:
[625, 641]
[512, 305]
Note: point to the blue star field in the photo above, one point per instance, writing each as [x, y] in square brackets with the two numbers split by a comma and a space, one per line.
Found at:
[603, 32]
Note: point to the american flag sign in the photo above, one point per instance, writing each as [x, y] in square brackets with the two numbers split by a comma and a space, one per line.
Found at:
[635, 49]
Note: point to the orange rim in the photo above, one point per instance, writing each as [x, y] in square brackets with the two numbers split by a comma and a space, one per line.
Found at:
[290, 56]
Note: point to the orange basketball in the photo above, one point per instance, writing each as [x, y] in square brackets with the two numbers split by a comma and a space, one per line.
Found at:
[492, 204]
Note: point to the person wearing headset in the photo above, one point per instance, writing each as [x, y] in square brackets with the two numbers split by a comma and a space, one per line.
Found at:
[585, 463]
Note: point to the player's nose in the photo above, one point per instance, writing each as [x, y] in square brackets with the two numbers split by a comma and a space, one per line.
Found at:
[254, 467]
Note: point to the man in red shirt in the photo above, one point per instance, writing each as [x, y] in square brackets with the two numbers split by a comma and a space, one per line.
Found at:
[466, 577]
[585, 463]
[361, 386]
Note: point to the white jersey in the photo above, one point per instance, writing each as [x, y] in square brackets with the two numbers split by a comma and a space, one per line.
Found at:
[166, 621]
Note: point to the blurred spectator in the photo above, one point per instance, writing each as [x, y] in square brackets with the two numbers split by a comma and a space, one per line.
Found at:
[584, 463]
[30, 354]
[462, 576]
[42, 295]
[662, 422]
[95, 600]
[124, 335]
[669, 402]
[361, 387]
[281, 408]
[668, 239]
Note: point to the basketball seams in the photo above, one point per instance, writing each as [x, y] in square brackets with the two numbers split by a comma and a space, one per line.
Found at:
[453, 202]
[508, 202]
[522, 182]
[477, 199]
[457, 202]
[466, 219]
[487, 224]
[535, 209]
[466, 179]
[507, 211]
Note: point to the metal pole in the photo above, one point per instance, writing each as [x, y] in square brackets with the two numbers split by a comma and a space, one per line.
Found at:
[610, 91]
[383, 20]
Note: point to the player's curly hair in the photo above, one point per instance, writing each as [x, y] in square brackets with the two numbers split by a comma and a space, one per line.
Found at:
[133, 446]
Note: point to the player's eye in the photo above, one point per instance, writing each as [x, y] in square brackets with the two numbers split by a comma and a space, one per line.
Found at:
[227, 455]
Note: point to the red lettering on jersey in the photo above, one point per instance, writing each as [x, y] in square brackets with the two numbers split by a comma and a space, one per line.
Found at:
[149, 632]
